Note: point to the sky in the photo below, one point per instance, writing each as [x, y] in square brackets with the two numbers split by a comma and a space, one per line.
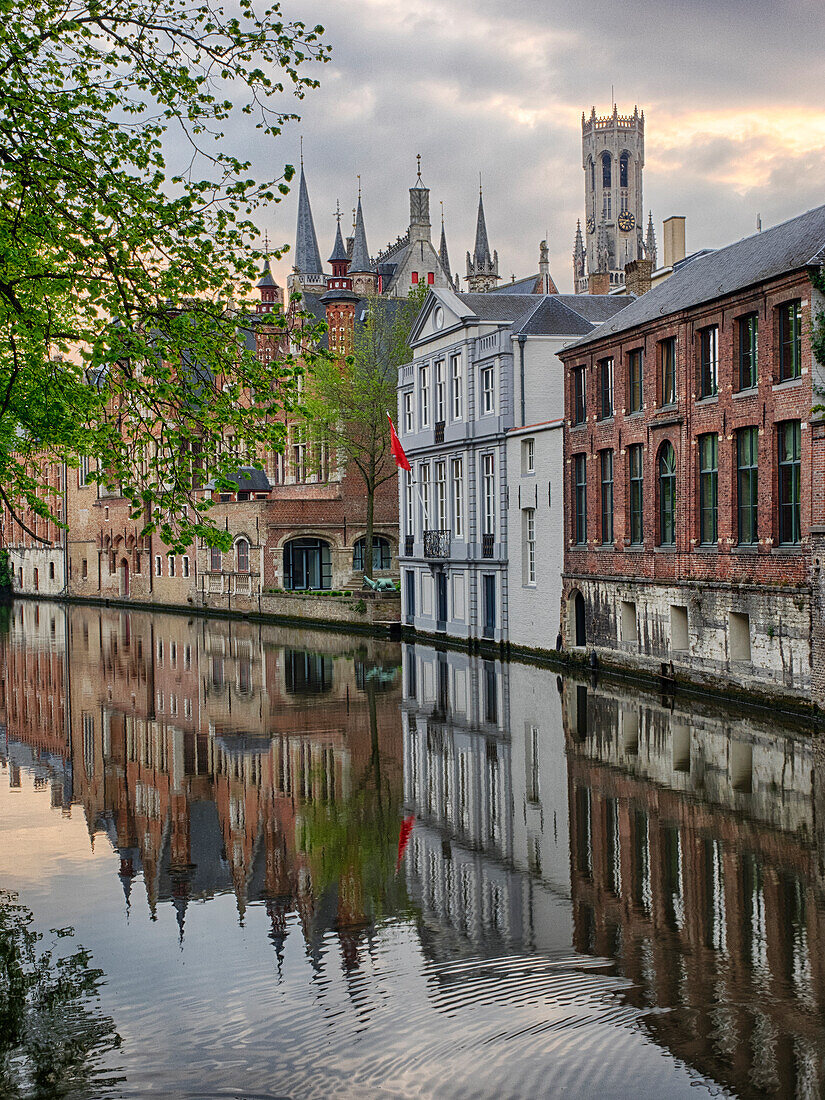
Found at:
[733, 93]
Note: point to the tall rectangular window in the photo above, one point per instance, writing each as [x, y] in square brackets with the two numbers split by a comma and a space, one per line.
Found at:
[409, 416]
[489, 493]
[488, 393]
[790, 331]
[667, 350]
[606, 388]
[410, 504]
[636, 479]
[790, 465]
[529, 550]
[606, 458]
[580, 497]
[424, 485]
[708, 489]
[83, 472]
[458, 498]
[441, 495]
[457, 383]
[578, 395]
[709, 361]
[424, 395]
[214, 560]
[440, 392]
[635, 380]
[747, 484]
[528, 456]
[748, 348]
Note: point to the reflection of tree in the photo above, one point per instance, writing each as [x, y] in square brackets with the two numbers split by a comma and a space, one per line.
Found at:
[351, 846]
[53, 1035]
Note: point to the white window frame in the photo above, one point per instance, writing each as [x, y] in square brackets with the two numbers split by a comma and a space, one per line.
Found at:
[440, 392]
[171, 560]
[458, 386]
[424, 393]
[158, 565]
[409, 413]
[458, 497]
[185, 565]
[528, 452]
[488, 467]
[488, 390]
[408, 486]
[441, 495]
[529, 545]
[424, 482]
[83, 472]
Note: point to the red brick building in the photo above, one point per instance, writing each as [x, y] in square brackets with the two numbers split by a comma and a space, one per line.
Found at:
[694, 471]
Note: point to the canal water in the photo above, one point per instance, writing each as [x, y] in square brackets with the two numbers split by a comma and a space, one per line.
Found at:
[297, 864]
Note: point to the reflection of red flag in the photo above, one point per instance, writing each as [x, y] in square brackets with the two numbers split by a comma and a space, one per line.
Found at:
[401, 460]
[404, 837]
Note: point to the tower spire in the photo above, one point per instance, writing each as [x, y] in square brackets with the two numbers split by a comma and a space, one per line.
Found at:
[650, 241]
[307, 263]
[361, 266]
[482, 268]
[443, 255]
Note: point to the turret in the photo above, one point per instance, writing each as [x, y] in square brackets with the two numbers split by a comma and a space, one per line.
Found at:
[419, 209]
[271, 295]
[650, 242]
[361, 267]
[339, 299]
[482, 268]
[307, 270]
[579, 262]
[443, 254]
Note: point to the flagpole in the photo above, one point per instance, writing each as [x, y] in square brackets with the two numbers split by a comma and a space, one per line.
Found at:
[408, 467]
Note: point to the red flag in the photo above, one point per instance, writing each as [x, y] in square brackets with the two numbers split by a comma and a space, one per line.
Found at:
[403, 838]
[401, 460]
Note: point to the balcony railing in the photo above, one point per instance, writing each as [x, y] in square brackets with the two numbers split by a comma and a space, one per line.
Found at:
[409, 543]
[439, 432]
[487, 545]
[437, 544]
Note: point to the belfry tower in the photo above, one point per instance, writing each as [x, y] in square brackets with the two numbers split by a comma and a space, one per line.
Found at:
[613, 158]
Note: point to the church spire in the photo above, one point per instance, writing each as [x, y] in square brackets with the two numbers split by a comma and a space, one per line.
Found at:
[650, 242]
[443, 255]
[482, 268]
[307, 263]
[579, 267]
[361, 267]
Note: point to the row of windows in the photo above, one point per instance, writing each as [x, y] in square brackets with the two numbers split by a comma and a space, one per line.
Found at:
[442, 501]
[607, 170]
[440, 394]
[430, 278]
[789, 448]
[789, 339]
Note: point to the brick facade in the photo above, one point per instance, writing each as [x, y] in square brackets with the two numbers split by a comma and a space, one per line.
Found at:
[712, 603]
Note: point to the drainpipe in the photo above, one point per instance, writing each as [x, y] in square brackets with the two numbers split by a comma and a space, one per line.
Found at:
[521, 340]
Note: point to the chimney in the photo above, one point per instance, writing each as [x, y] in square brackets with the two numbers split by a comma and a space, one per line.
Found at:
[637, 276]
[674, 233]
[598, 282]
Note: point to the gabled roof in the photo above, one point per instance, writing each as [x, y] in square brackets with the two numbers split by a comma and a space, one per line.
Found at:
[596, 307]
[520, 286]
[791, 246]
[499, 307]
[552, 318]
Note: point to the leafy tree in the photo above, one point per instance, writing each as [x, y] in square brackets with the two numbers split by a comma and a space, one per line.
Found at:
[350, 397]
[53, 1036]
[126, 243]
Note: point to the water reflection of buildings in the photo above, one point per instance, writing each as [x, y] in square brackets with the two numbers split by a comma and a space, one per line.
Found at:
[681, 842]
[202, 749]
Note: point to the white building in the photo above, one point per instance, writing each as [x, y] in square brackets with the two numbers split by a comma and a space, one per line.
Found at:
[476, 414]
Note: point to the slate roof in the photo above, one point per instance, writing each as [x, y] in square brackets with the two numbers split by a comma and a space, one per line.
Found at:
[520, 286]
[482, 246]
[249, 479]
[307, 255]
[596, 307]
[552, 318]
[499, 307]
[793, 245]
[266, 276]
[360, 260]
[339, 252]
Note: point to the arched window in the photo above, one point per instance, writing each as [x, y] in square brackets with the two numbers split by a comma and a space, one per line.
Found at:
[307, 564]
[242, 555]
[667, 495]
[624, 164]
[606, 166]
[592, 170]
[577, 618]
[381, 555]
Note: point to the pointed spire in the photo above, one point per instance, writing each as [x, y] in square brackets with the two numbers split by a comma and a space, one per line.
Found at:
[650, 241]
[266, 278]
[442, 250]
[360, 261]
[339, 252]
[482, 249]
[307, 254]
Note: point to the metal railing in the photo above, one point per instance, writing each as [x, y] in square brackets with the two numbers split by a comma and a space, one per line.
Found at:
[409, 544]
[439, 432]
[487, 545]
[437, 544]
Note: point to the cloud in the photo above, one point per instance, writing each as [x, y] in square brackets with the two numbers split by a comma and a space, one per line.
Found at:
[734, 121]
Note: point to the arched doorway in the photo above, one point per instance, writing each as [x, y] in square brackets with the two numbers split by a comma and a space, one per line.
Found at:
[124, 577]
[307, 565]
[577, 619]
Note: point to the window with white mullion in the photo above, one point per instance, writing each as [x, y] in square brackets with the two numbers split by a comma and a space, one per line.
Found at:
[489, 493]
[458, 498]
[441, 495]
[457, 384]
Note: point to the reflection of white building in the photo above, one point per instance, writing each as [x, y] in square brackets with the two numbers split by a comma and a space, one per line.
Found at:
[486, 857]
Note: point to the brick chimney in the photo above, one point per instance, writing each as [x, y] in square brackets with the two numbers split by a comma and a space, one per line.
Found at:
[598, 282]
[637, 276]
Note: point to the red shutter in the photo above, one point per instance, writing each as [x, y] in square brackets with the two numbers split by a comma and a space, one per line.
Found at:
[430, 278]
[415, 277]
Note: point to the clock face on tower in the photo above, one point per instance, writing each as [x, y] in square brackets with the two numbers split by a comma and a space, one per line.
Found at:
[626, 221]
[591, 225]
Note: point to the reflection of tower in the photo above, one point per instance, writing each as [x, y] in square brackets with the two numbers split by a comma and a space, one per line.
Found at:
[613, 157]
